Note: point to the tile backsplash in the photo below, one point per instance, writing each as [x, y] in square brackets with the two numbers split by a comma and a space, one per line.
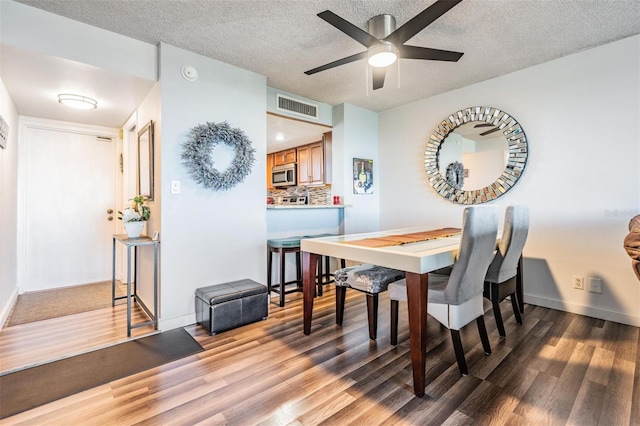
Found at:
[317, 195]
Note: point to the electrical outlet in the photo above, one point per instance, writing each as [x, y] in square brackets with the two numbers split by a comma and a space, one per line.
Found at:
[578, 283]
[595, 285]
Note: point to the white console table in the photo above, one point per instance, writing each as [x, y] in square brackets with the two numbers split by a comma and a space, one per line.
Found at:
[134, 243]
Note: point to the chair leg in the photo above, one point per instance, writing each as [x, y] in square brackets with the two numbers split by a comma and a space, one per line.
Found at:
[394, 322]
[484, 337]
[495, 301]
[459, 350]
[341, 293]
[498, 316]
[516, 306]
[520, 284]
[372, 314]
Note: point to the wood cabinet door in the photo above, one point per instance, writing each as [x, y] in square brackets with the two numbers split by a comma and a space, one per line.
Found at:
[304, 172]
[284, 157]
[311, 164]
[269, 169]
[316, 163]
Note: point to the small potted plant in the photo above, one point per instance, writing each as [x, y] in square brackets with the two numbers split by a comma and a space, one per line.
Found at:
[135, 216]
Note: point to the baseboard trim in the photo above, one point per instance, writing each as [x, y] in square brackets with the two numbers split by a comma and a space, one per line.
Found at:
[6, 309]
[182, 321]
[588, 311]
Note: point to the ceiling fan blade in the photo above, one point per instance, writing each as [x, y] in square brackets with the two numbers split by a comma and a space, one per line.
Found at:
[415, 52]
[420, 21]
[339, 62]
[483, 125]
[358, 34]
[378, 77]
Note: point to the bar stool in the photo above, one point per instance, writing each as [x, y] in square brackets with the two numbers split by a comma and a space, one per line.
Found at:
[282, 246]
[325, 276]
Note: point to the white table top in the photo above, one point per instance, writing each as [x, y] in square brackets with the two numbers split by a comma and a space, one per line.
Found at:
[421, 257]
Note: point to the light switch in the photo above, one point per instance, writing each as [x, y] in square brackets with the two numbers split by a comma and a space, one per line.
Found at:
[175, 186]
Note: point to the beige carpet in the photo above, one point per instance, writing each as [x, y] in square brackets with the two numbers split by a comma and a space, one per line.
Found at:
[41, 305]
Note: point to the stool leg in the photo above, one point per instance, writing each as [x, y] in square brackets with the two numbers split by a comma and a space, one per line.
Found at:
[298, 270]
[319, 279]
[281, 252]
[269, 265]
[327, 272]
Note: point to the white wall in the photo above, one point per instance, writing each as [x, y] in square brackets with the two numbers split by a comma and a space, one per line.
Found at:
[208, 237]
[8, 207]
[355, 135]
[150, 109]
[582, 181]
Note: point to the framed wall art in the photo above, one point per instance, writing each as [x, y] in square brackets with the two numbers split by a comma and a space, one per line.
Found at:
[145, 161]
[362, 176]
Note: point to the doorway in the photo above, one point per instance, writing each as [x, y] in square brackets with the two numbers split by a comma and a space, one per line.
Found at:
[68, 204]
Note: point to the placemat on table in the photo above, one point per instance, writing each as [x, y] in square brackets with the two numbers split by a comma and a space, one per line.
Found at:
[396, 240]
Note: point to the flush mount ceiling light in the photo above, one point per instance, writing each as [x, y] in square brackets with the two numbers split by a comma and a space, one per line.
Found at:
[77, 101]
[382, 55]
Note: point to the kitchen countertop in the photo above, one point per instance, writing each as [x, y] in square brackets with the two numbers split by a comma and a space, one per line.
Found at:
[304, 206]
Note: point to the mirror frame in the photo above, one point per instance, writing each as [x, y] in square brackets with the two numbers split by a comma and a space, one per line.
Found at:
[518, 153]
[145, 161]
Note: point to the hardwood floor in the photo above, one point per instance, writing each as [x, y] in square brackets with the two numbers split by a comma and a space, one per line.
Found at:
[556, 368]
[43, 341]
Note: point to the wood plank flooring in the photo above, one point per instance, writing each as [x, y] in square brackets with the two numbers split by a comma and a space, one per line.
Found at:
[555, 369]
[38, 342]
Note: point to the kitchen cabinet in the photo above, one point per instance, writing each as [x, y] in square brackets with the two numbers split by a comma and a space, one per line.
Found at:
[270, 158]
[311, 164]
[287, 156]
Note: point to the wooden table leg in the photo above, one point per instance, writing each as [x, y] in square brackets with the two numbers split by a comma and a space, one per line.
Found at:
[417, 287]
[309, 269]
[520, 284]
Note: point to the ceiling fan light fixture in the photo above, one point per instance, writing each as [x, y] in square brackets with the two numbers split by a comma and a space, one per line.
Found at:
[77, 101]
[382, 55]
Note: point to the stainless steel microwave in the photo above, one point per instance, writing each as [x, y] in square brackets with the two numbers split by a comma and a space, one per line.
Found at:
[284, 175]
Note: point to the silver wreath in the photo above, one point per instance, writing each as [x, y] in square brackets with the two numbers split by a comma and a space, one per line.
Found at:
[197, 155]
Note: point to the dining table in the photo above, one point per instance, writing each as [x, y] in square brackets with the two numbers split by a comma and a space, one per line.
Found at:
[393, 249]
[416, 251]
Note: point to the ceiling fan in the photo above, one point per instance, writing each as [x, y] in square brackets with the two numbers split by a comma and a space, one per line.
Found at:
[385, 43]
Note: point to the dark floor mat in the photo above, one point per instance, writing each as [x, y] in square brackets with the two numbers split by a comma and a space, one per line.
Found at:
[32, 387]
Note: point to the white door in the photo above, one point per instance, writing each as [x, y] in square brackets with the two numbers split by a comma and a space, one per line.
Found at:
[70, 187]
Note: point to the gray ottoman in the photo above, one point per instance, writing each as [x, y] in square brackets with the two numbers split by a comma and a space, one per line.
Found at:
[224, 306]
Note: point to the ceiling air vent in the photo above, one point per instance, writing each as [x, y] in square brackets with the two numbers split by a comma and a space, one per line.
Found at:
[297, 107]
[104, 139]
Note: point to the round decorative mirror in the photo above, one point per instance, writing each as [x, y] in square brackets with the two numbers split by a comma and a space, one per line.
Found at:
[475, 155]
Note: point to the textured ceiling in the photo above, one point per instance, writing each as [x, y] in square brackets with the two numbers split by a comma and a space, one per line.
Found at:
[282, 39]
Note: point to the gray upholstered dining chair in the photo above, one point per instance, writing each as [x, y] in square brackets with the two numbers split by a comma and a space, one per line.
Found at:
[500, 281]
[455, 300]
